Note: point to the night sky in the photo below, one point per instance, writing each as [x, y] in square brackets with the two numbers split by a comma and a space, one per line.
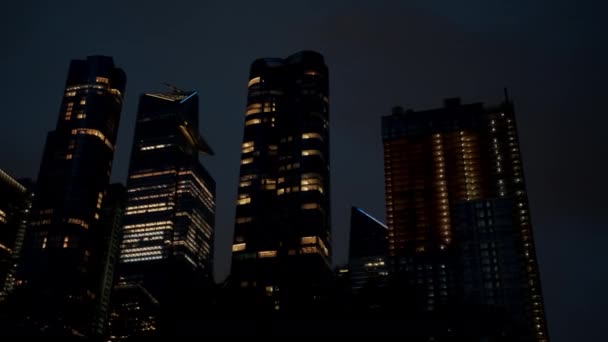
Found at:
[551, 54]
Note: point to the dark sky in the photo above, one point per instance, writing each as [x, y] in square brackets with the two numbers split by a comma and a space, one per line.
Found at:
[551, 54]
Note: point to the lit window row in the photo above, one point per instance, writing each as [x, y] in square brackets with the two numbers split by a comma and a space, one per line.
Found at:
[244, 219]
[253, 122]
[79, 222]
[311, 136]
[253, 81]
[148, 206]
[41, 223]
[309, 206]
[246, 161]
[152, 174]
[155, 147]
[151, 210]
[155, 257]
[311, 153]
[267, 254]
[95, 133]
[287, 190]
[237, 247]
[244, 200]
[148, 224]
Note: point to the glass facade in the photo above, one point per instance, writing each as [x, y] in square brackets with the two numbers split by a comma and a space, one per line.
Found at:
[62, 251]
[170, 212]
[15, 202]
[282, 229]
[368, 251]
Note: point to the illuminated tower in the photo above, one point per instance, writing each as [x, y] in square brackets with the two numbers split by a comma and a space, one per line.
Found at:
[63, 250]
[458, 214]
[166, 250]
[15, 202]
[282, 231]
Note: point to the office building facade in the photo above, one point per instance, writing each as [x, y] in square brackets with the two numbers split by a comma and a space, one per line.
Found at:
[167, 238]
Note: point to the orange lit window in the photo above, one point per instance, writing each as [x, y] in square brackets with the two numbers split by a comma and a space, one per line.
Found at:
[267, 254]
[237, 247]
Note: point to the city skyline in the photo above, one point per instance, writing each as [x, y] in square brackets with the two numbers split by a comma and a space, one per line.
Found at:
[541, 103]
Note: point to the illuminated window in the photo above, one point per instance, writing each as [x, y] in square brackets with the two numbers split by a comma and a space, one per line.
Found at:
[311, 73]
[66, 240]
[252, 122]
[309, 250]
[248, 144]
[247, 149]
[253, 108]
[79, 222]
[311, 182]
[70, 93]
[244, 200]
[155, 147]
[246, 161]
[152, 174]
[69, 156]
[311, 136]
[81, 116]
[267, 254]
[244, 219]
[308, 240]
[102, 80]
[237, 247]
[280, 191]
[311, 152]
[44, 243]
[253, 81]
[83, 102]
[309, 206]
[270, 186]
[244, 184]
[269, 290]
[93, 132]
[269, 107]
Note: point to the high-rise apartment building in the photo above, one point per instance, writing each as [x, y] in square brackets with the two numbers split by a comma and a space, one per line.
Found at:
[167, 242]
[458, 214]
[62, 252]
[281, 249]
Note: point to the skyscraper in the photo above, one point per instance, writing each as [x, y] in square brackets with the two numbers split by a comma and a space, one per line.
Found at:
[368, 251]
[112, 211]
[458, 213]
[282, 233]
[166, 250]
[15, 202]
[61, 252]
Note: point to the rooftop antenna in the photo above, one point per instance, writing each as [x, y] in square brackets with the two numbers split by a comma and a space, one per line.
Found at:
[175, 89]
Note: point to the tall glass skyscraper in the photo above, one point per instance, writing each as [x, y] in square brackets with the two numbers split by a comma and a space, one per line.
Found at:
[282, 232]
[15, 202]
[166, 249]
[62, 253]
[458, 214]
